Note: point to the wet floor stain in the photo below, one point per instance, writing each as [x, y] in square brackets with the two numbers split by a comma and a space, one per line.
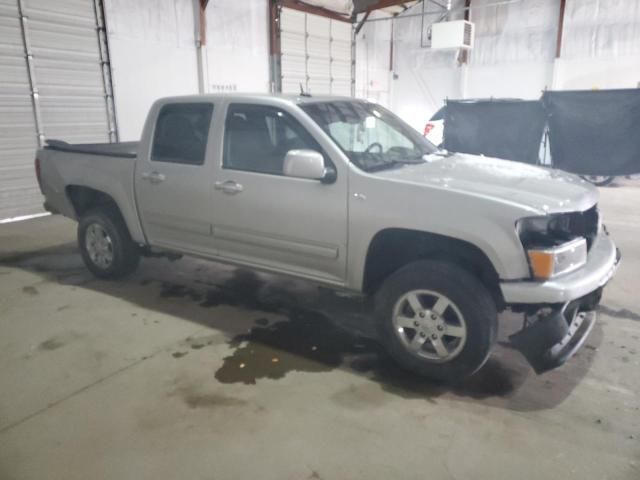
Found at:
[199, 342]
[199, 396]
[200, 400]
[309, 342]
[30, 290]
[247, 290]
[305, 343]
[620, 313]
[215, 297]
[172, 290]
[324, 331]
[51, 344]
[63, 263]
[58, 341]
[63, 307]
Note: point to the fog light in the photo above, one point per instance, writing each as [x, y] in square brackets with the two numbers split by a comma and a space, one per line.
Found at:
[549, 262]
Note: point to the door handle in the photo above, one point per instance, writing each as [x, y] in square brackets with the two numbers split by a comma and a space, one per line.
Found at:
[230, 187]
[154, 177]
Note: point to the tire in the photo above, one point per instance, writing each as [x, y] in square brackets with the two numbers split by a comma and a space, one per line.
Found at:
[469, 311]
[598, 180]
[105, 244]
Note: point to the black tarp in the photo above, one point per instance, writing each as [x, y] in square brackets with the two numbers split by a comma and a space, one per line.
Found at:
[509, 129]
[594, 132]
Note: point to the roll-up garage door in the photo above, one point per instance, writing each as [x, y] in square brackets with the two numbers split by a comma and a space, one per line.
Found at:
[51, 86]
[316, 54]
[19, 193]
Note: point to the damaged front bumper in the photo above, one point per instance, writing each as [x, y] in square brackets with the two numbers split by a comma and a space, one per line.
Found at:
[564, 309]
[557, 333]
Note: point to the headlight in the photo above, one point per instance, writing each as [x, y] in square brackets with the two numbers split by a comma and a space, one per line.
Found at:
[552, 248]
[549, 262]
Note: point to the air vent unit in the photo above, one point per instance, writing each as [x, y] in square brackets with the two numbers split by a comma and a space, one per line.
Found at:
[452, 35]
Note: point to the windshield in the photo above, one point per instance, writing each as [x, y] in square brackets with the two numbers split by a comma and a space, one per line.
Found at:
[372, 137]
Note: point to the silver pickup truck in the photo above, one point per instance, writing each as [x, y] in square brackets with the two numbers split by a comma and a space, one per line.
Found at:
[344, 193]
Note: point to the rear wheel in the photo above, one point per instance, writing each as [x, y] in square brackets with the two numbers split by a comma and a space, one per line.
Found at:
[599, 180]
[105, 244]
[437, 320]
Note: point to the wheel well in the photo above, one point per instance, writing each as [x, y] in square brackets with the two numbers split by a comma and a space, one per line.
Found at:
[84, 199]
[394, 248]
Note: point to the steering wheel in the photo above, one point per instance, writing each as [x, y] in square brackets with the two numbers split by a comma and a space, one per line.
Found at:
[373, 145]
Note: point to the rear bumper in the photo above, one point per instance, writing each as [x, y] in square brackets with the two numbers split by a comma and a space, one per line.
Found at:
[601, 265]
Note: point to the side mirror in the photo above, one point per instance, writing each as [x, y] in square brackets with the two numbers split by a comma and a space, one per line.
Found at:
[308, 164]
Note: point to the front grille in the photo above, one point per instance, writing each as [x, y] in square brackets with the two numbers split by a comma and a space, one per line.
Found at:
[584, 224]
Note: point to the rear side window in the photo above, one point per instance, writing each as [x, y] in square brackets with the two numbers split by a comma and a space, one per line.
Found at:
[181, 133]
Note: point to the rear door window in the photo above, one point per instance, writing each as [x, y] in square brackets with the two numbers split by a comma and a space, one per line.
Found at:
[181, 133]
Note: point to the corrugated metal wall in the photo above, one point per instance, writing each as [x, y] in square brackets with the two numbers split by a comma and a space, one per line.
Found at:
[53, 52]
[316, 53]
[19, 193]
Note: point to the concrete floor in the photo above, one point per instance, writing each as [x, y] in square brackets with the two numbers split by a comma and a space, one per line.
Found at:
[194, 370]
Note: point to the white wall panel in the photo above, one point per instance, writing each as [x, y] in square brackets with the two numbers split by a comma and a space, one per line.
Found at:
[601, 45]
[373, 45]
[598, 73]
[238, 46]
[153, 55]
[514, 49]
[424, 78]
[514, 54]
[513, 57]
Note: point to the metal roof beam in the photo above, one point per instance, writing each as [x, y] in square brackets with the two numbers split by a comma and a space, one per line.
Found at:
[312, 9]
[363, 6]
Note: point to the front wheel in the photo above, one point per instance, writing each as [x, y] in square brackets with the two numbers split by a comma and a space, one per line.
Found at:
[598, 180]
[437, 320]
[105, 244]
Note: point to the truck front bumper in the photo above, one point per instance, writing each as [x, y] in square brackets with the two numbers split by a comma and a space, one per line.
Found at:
[566, 312]
[557, 333]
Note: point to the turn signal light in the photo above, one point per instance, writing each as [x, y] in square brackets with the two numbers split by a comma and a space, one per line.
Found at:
[541, 263]
[546, 263]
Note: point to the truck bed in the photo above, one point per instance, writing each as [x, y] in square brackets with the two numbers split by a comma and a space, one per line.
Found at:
[119, 149]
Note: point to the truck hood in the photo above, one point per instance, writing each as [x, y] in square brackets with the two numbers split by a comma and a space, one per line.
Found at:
[544, 190]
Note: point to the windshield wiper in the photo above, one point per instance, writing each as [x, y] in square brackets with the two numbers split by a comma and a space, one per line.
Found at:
[393, 163]
[410, 160]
